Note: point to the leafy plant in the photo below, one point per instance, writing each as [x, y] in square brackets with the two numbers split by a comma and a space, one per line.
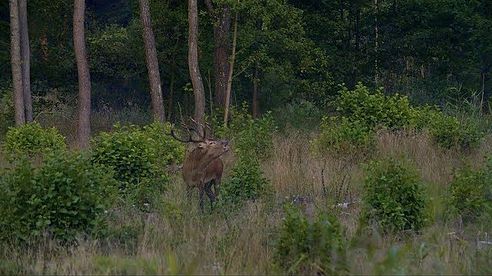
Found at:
[135, 158]
[251, 136]
[168, 150]
[373, 108]
[246, 182]
[32, 140]
[306, 247]
[394, 195]
[470, 193]
[339, 135]
[449, 132]
[65, 197]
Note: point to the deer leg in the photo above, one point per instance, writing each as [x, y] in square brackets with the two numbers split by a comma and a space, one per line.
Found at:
[202, 191]
[210, 194]
[217, 186]
[189, 189]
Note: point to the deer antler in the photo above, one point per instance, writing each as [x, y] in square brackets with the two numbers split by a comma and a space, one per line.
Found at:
[189, 140]
[204, 126]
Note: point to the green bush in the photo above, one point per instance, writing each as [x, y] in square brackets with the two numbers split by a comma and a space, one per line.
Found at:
[246, 182]
[168, 150]
[135, 156]
[449, 132]
[251, 136]
[470, 194]
[306, 247]
[373, 108]
[32, 140]
[394, 196]
[339, 135]
[64, 197]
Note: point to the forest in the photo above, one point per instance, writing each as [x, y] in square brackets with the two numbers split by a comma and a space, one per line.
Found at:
[231, 137]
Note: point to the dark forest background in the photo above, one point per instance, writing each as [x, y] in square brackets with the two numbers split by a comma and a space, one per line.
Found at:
[301, 50]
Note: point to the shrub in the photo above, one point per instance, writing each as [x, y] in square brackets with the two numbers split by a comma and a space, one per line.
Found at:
[394, 195]
[245, 183]
[341, 136]
[470, 194]
[65, 197]
[136, 161]
[306, 247]
[168, 150]
[32, 140]
[373, 108]
[449, 132]
[251, 136]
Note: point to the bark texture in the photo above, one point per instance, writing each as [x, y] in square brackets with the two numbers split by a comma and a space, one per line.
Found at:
[26, 59]
[84, 100]
[152, 63]
[196, 78]
[15, 54]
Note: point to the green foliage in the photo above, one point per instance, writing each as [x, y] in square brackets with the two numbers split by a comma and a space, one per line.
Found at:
[300, 115]
[64, 198]
[252, 137]
[6, 110]
[373, 108]
[339, 135]
[449, 132]
[168, 150]
[32, 140]
[306, 247]
[137, 157]
[246, 182]
[470, 193]
[394, 195]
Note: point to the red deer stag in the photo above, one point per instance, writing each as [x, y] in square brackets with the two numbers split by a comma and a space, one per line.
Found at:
[202, 166]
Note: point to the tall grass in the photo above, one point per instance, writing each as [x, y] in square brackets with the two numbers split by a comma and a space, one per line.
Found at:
[178, 239]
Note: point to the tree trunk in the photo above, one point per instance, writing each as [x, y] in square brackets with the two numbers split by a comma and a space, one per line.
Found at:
[196, 78]
[15, 53]
[152, 63]
[376, 43]
[221, 54]
[231, 70]
[256, 106]
[26, 59]
[84, 101]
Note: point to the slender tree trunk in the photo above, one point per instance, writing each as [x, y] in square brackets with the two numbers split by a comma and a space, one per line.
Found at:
[26, 59]
[15, 53]
[152, 63]
[84, 101]
[376, 43]
[196, 78]
[222, 25]
[231, 70]
[256, 106]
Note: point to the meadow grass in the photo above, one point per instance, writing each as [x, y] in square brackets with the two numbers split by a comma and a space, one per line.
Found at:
[178, 239]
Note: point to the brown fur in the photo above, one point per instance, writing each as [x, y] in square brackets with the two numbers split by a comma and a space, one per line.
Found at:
[203, 168]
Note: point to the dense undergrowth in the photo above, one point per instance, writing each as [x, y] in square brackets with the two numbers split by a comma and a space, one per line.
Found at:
[383, 187]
